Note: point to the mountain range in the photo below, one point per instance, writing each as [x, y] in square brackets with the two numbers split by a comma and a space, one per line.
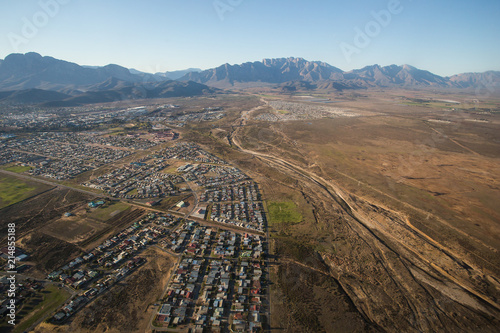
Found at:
[32, 78]
[315, 74]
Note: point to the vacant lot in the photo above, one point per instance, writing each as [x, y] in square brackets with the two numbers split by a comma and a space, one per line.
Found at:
[311, 301]
[444, 177]
[17, 168]
[403, 204]
[36, 212]
[46, 301]
[47, 252]
[74, 229]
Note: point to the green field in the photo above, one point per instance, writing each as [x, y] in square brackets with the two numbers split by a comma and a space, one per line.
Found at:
[13, 190]
[283, 212]
[17, 168]
[53, 297]
[105, 213]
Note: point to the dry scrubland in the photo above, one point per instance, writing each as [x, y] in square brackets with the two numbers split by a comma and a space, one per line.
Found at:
[404, 211]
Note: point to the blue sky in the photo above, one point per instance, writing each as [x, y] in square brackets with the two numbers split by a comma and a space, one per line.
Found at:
[445, 37]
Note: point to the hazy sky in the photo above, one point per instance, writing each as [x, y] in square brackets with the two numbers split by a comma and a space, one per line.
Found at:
[445, 36]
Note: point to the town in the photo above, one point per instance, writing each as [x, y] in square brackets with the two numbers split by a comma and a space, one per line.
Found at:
[221, 279]
[287, 111]
[113, 260]
[95, 118]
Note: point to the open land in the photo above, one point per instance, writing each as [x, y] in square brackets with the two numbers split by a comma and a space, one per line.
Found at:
[354, 169]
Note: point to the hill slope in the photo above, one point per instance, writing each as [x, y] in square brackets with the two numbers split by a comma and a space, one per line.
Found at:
[164, 89]
[31, 70]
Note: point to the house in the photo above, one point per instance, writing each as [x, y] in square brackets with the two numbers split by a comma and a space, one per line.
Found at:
[165, 309]
[59, 316]
[20, 255]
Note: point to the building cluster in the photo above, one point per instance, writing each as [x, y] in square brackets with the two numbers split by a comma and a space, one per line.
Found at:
[221, 280]
[235, 198]
[209, 176]
[239, 205]
[244, 215]
[96, 271]
[218, 282]
[138, 180]
[129, 141]
[65, 155]
[302, 111]
[57, 159]
[10, 156]
[33, 119]
[198, 117]
[81, 118]
[174, 115]
[165, 135]
[190, 152]
[240, 192]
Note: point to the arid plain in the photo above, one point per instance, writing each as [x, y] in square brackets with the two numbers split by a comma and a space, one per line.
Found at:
[399, 206]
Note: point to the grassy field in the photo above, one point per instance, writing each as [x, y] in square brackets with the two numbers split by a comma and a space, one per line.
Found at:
[13, 190]
[17, 168]
[52, 296]
[105, 213]
[283, 212]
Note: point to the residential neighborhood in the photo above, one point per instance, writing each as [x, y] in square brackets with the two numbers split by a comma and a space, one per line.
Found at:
[218, 282]
[221, 277]
[98, 270]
